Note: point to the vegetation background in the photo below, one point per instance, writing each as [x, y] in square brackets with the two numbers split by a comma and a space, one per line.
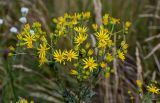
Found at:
[22, 78]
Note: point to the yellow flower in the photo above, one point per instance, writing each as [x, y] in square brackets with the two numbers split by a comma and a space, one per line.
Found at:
[10, 54]
[109, 57]
[102, 35]
[43, 39]
[77, 16]
[128, 24]
[120, 55]
[24, 101]
[153, 89]
[115, 21]
[139, 83]
[71, 55]
[61, 20]
[81, 30]
[124, 45]
[86, 15]
[76, 48]
[72, 23]
[36, 25]
[103, 65]
[87, 73]
[102, 44]
[59, 56]
[42, 53]
[107, 74]
[89, 63]
[66, 15]
[73, 72]
[32, 101]
[105, 19]
[87, 45]
[85, 77]
[42, 50]
[29, 40]
[80, 39]
[95, 27]
[90, 52]
[11, 48]
[83, 51]
[19, 36]
[42, 60]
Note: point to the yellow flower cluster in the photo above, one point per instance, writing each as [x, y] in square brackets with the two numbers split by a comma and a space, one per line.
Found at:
[85, 57]
[103, 38]
[27, 37]
[110, 20]
[127, 25]
[60, 56]
[70, 21]
[122, 51]
[33, 37]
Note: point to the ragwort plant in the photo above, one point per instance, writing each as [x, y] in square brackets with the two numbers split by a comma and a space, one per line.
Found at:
[151, 91]
[89, 56]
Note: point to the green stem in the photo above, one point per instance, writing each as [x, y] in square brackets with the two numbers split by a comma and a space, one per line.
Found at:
[11, 79]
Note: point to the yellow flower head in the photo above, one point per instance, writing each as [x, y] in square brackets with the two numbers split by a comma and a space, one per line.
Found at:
[42, 53]
[109, 57]
[95, 27]
[90, 52]
[66, 15]
[61, 20]
[80, 39]
[139, 83]
[103, 65]
[107, 74]
[153, 89]
[102, 44]
[81, 30]
[124, 45]
[77, 16]
[128, 24]
[22, 101]
[73, 72]
[42, 60]
[105, 19]
[87, 45]
[102, 35]
[72, 23]
[29, 40]
[59, 56]
[120, 55]
[86, 15]
[11, 48]
[89, 63]
[115, 21]
[69, 55]
[42, 50]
